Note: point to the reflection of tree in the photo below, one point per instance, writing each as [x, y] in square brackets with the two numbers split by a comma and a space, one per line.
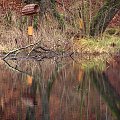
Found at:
[39, 83]
[45, 88]
[15, 68]
[107, 91]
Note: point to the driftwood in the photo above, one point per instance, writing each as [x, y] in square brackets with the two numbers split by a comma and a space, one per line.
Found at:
[36, 51]
[16, 50]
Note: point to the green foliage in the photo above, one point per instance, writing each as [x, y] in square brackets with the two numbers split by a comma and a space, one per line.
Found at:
[57, 15]
[51, 81]
[104, 16]
[35, 22]
[98, 46]
[22, 23]
[108, 93]
[113, 31]
[8, 18]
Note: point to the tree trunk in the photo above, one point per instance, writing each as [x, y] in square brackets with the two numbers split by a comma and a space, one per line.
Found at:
[56, 14]
[50, 7]
[104, 16]
[44, 7]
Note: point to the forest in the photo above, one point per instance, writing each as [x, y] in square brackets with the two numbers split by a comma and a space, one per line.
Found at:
[71, 19]
[59, 59]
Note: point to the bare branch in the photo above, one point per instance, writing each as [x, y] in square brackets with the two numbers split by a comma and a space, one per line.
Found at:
[13, 51]
[15, 68]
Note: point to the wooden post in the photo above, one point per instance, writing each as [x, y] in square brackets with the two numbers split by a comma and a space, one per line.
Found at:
[29, 10]
[30, 29]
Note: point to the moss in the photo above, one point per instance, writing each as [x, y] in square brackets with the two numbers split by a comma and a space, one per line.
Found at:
[103, 17]
[35, 22]
[113, 31]
[97, 46]
[57, 15]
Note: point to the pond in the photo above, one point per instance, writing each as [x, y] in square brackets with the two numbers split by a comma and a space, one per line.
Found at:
[60, 89]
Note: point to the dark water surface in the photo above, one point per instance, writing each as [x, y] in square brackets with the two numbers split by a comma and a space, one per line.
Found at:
[60, 89]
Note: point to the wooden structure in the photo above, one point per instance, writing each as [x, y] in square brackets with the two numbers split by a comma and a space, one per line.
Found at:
[30, 9]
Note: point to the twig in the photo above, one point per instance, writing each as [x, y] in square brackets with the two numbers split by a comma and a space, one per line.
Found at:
[30, 51]
[15, 68]
[61, 4]
[18, 50]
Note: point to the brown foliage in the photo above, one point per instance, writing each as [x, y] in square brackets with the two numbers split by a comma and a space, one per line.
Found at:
[17, 6]
[113, 72]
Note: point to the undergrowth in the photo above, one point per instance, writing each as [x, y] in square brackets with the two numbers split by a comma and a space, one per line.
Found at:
[12, 37]
[106, 44]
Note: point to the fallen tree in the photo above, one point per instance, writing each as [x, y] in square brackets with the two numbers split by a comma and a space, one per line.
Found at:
[36, 51]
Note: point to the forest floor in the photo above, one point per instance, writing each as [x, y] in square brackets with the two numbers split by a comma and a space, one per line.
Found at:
[11, 38]
[104, 45]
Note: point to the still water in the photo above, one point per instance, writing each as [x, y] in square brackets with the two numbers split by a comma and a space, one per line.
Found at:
[60, 89]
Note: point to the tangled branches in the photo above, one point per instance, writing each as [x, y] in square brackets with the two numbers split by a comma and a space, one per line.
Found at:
[35, 51]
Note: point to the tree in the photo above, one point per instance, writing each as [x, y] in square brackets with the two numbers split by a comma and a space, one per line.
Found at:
[104, 16]
[48, 6]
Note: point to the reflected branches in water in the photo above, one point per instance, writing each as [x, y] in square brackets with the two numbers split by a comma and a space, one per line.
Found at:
[15, 68]
[64, 89]
[101, 82]
[109, 94]
[36, 51]
[42, 82]
[94, 77]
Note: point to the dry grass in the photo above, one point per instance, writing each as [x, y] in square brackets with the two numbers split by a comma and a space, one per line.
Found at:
[12, 37]
[106, 44]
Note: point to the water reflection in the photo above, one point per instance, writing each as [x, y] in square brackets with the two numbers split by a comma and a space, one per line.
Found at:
[107, 91]
[59, 89]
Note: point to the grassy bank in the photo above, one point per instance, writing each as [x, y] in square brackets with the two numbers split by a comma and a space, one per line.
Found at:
[106, 44]
[13, 35]
[12, 39]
